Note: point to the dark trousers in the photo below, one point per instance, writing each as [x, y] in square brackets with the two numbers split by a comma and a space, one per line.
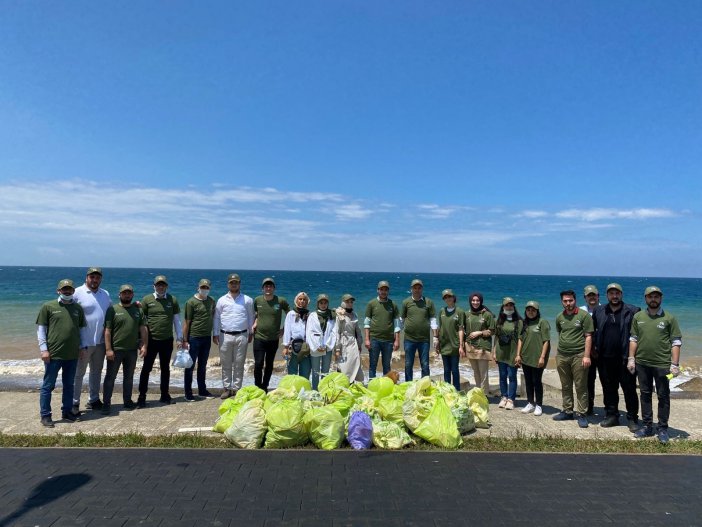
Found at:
[128, 360]
[533, 385]
[613, 373]
[264, 355]
[591, 375]
[451, 372]
[163, 349]
[647, 376]
[199, 349]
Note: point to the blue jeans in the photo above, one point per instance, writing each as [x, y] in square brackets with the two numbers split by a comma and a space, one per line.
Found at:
[411, 348]
[68, 375]
[199, 352]
[301, 368]
[378, 347]
[324, 361]
[451, 370]
[508, 372]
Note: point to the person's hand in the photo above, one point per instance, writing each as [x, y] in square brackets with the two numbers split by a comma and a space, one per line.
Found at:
[396, 345]
[631, 365]
[518, 361]
[286, 351]
[586, 362]
[461, 351]
[110, 354]
[675, 370]
[45, 356]
[185, 345]
[215, 339]
[142, 351]
[250, 339]
[367, 344]
[542, 362]
[474, 334]
[494, 357]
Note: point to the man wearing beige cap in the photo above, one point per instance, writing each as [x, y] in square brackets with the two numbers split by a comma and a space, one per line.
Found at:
[419, 321]
[95, 301]
[233, 331]
[197, 338]
[270, 310]
[612, 323]
[592, 302]
[162, 316]
[381, 327]
[61, 339]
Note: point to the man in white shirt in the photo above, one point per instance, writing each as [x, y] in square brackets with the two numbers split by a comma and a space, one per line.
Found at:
[94, 300]
[233, 331]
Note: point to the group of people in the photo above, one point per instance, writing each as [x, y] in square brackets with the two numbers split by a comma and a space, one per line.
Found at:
[82, 328]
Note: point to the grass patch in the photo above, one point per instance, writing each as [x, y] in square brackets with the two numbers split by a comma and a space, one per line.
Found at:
[471, 444]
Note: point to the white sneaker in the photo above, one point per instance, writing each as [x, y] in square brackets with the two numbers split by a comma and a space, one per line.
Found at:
[503, 402]
[537, 410]
[509, 405]
[528, 408]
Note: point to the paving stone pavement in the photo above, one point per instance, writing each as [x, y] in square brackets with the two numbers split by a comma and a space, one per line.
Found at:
[174, 488]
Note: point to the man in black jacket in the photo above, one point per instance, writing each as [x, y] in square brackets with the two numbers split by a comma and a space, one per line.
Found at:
[612, 328]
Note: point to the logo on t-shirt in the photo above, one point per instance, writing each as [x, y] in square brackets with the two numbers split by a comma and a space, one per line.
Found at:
[661, 325]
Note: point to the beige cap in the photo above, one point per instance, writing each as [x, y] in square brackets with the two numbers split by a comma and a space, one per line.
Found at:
[126, 287]
[383, 283]
[94, 270]
[347, 297]
[508, 300]
[447, 292]
[416, 281]
[533, 303]
[268, 280]
[233, 278]
[322, 296]
[160, 278]
[616, 286]
[65, 283]
[204, 283]
[590, 289]
[652, 289]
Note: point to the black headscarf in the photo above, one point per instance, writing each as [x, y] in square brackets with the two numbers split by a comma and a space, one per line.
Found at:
[481, 308]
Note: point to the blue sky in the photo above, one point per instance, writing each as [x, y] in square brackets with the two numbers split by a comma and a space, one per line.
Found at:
[471, 137]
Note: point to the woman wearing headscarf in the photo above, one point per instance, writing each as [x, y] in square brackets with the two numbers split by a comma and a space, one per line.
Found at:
[321, 337]
[479, 326]
[532, 354]
[349, 338]
[507, 330]
[294, 335]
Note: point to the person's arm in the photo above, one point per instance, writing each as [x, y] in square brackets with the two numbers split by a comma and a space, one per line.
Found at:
[178, 327]
[43, 346]
[186, 333]
[250, 317]
[109, 352]
[216, 322]
[588, 348]
[144, 332]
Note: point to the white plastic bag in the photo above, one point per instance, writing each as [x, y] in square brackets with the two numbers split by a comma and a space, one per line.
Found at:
[182, 359]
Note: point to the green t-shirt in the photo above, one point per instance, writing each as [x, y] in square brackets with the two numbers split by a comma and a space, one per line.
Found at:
[479, 322]
[382, 317]
[124, 323]
[449, 324]
[269, 315]
[63, 322]
[571, 331]
[416, 315]
[533, 338]
[507, 351]
[159, 315]
[654, 335]
[200, 314]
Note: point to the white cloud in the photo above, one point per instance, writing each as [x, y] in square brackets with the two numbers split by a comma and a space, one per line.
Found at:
[532, 214]
[351, 212]
[598, 214]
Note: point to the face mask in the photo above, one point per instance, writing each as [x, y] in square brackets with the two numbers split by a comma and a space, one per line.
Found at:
[159, 296]
[203, 292]
[450, 309]
[509, 312]
[348, 309]
[66, 298]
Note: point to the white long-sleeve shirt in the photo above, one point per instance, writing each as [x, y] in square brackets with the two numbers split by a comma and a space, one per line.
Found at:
[94, 306]
[234, 314]
[316, 339]
[294, 328]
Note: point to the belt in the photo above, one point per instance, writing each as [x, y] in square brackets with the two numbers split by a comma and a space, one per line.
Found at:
[234, 332]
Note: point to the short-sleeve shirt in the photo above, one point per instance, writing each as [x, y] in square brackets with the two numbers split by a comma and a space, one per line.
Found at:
[124, 323]
[200, 314]
[269, 315]
[382, 317]
[507, 351]
[63, 322]
[533, 337]
[416, 315]
[572, 330]
[655, 335]
[480, 321]
[159, 315]
[449, 324]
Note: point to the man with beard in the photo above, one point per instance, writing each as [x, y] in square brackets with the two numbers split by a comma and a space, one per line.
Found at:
[592, 302]
[270, 309]
[381, 327]
[125, 326]
[419, 319]
[654, 353]
[612, 330]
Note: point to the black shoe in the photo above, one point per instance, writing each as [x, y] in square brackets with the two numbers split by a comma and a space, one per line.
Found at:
[47, 422]
[633, 425]
[167, 399]
[129, 405]
[609, 421]
[663, 436]
[190, 398]
[582, 420]
[646, 431]
[141, 403]
[75, 409]
[95, 405]
[105, 410]
[563, 416]
[69, 416]
[206, 395]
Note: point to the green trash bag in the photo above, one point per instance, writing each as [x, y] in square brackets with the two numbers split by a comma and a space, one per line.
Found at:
[460, 408]
[390, 436]
[418, 402]
[422, 387]
[248, 393]
[357, 389]
[439, 428]
[296, 382]
[390, 408]
[381, 387]
[479, 404]
[278, 395]
[334, 380]
[249, 426]
[325, 427]
[447, 391]
[227, 412]
[366, 404]
[285, 425]
[401, 388]
[310, 399]
[341, 399]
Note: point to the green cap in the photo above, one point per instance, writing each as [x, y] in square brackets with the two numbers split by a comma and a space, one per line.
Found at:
[447, 292]
[204, 283]
[94, 270]
[508, 300]
[268, 280]
[652, 289]
[126, 287]
[65, 283]
[383, 283]
[322, 296]
[616, 286]
[233, 278]
[590, 289]
[160, 278]
[416, 281]
[533, 303]
[347, 297]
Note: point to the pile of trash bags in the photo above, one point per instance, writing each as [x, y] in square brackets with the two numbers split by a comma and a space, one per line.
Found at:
[383, 414]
